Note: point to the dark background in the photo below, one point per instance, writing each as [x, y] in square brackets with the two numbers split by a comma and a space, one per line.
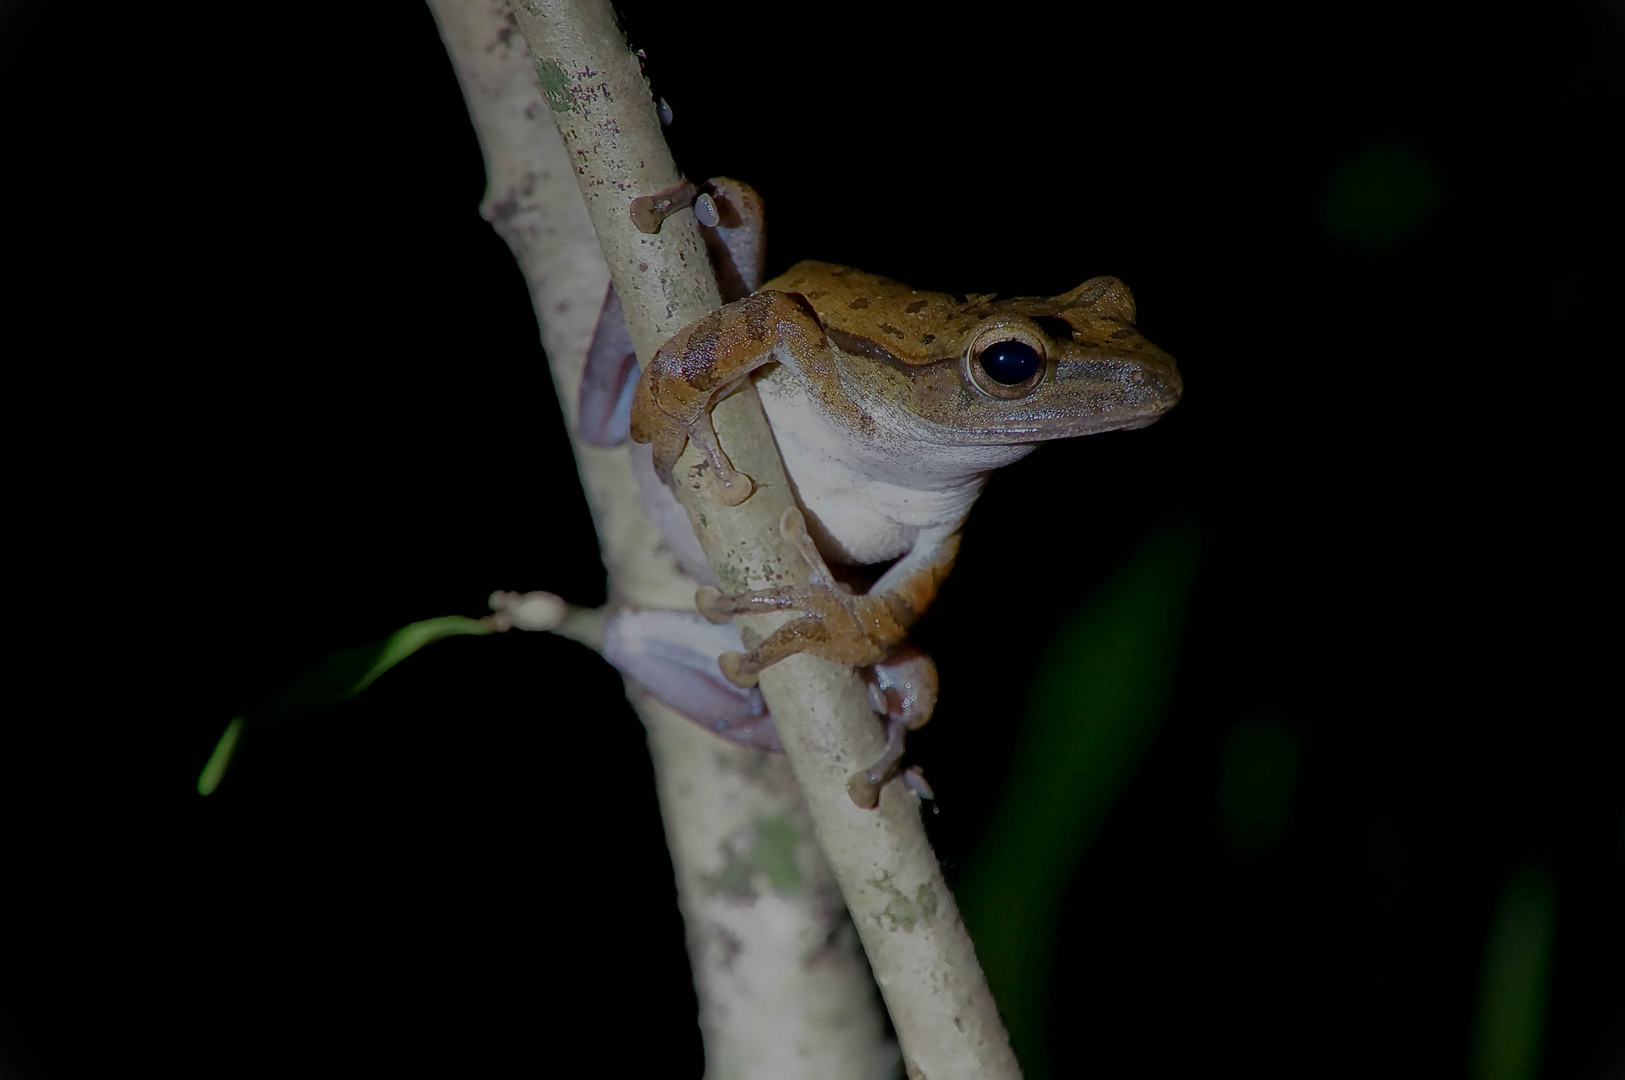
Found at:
[277, 392]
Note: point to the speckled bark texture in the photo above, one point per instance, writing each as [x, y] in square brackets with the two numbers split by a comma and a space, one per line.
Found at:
[781, 995]
[783, 986]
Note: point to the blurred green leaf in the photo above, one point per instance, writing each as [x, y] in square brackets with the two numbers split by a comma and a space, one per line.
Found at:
[337, 677]
[1100, 693]
[1378, 198]
[214, 770]
[1510, 1024]
[1258, 774]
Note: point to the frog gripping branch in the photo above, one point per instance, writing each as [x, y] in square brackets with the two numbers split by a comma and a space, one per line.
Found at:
[706, 362]
[891, 407]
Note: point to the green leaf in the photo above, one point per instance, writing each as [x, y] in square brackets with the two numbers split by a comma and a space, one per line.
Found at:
[1378, 199]
[1510, 1025]
[215, 770]
[1258, 776]
[337, 677]
[1100, 693]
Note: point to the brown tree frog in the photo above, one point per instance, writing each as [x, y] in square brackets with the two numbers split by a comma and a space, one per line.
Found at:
[891, 407]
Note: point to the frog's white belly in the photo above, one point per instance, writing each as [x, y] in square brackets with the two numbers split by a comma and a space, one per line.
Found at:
[871, 495]
[858, 519]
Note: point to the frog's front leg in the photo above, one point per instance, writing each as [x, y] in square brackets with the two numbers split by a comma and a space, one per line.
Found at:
[710, 358]
[836, 625]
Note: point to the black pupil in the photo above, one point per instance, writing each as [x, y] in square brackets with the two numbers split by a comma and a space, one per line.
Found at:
[1010, 362]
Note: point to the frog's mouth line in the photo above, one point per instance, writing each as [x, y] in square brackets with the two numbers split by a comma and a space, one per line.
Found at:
[1030, 429]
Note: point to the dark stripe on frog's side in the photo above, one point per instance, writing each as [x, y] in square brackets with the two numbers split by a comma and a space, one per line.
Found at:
[857, 345]
[917, 375]
[1095, 314]
[853, 345]
[874, 302]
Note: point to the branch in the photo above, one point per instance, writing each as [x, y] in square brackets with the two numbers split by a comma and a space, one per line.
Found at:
[891, 882]
[783, 990]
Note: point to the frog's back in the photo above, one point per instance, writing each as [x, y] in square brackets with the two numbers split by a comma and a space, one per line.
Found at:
[911, 325]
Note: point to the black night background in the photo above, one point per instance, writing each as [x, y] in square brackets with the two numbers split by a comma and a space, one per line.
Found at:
[277, 392]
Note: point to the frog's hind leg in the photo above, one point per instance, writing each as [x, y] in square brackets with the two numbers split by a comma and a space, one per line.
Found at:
[799, 635]
[864, 786]
[835, 627]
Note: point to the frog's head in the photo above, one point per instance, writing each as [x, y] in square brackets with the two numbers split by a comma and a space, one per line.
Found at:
[1030, 369]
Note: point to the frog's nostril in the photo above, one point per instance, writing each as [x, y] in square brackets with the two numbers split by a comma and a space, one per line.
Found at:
[1167, 376]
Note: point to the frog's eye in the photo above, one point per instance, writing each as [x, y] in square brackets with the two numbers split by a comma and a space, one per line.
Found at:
[1010, 362]
[1006, 362]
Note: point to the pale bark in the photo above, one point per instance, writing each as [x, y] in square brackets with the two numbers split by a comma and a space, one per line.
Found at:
[890, 879]
[784, 990]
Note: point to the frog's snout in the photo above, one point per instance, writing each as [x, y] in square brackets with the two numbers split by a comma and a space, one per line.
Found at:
[1161, 374]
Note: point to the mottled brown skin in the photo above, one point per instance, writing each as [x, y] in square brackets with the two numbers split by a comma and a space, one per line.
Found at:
[891, 373]
[910, 342]
[704, 362]
[842, 627]
[916, 327]
[861, 631]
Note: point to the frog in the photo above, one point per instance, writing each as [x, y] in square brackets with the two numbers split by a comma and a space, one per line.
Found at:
[892, 407]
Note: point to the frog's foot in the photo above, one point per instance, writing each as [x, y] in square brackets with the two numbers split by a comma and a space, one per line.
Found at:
[914, 780]
[672, 655]
[903, 688]
[648, 211]
[671, 432]
[738, 669]
[735, 236]
[710, 601]
[864, 786]
[836, 626]
[719, 607]
[729, 486]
